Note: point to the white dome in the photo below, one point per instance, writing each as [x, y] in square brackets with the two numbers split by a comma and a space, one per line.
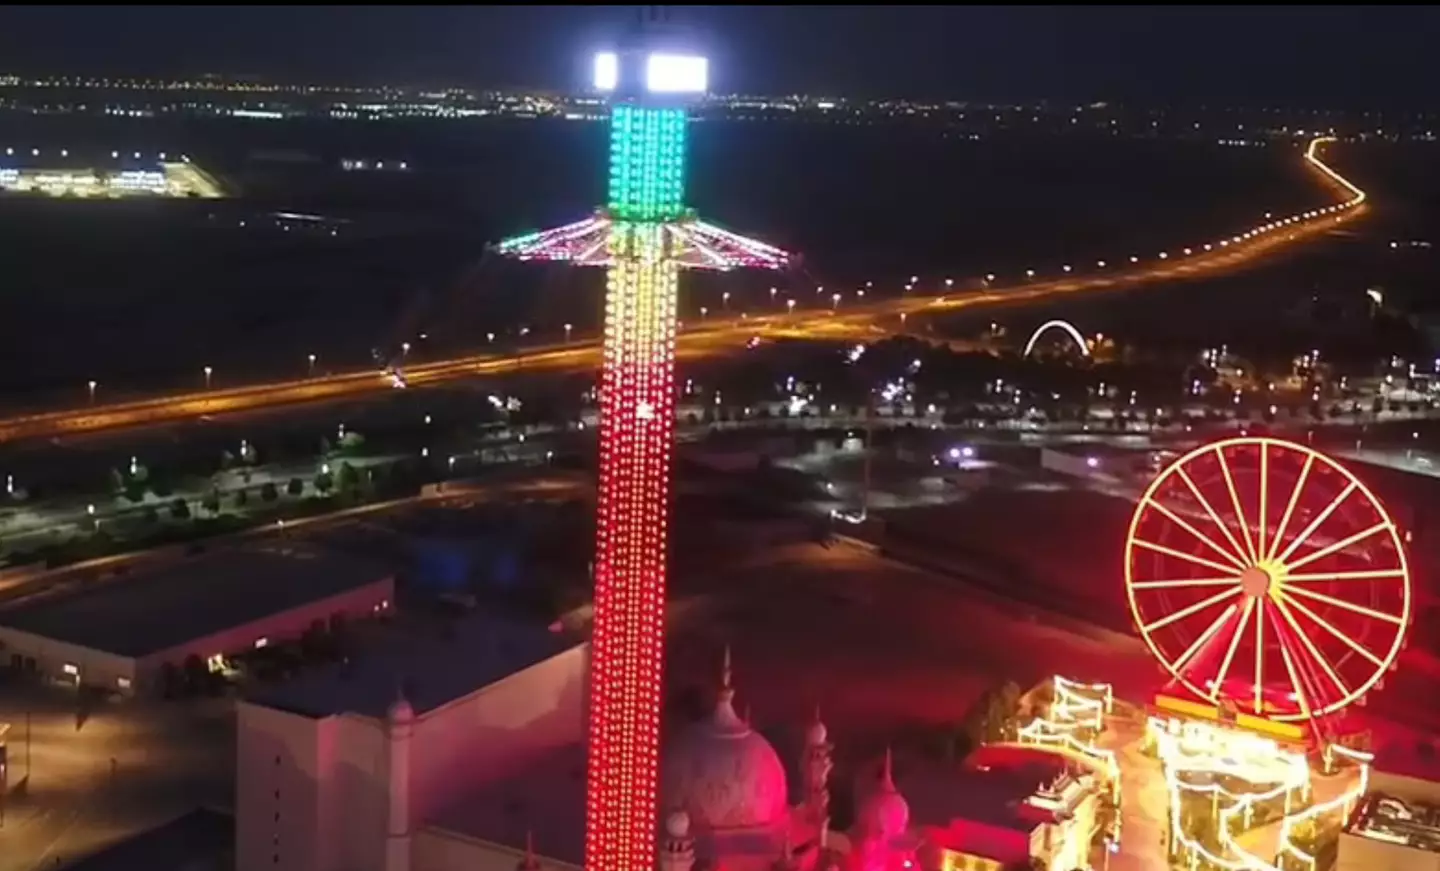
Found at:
[885, 814]
[724, 774]
[817, 733]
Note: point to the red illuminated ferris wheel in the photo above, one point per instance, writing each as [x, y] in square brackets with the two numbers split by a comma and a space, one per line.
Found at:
[1266, 578]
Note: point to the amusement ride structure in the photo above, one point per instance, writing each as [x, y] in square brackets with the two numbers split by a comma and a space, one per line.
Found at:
[1268, 581]
[643, 237]
[1272, 587]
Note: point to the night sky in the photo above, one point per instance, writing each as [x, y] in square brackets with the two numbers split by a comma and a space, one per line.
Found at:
[1306, 55]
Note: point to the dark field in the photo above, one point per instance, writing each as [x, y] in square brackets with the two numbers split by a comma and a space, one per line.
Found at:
[143, 295]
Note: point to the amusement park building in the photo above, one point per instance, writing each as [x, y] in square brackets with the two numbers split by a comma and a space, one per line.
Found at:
[479, 763]
[1396, 826]
[126, 635]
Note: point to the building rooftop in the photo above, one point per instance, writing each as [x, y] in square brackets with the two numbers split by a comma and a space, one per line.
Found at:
[194, 598]
[433, 669]
[547, 800]
[990, 787]
[1382, 817]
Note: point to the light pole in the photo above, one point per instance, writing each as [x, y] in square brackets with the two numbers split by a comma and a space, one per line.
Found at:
[404, 349]
[725, 300]
[311, 369]
[834, 301]
[208, 372]
[703, 312]
[92, 385]
[772, 293]
[790, 306]
[568, 328]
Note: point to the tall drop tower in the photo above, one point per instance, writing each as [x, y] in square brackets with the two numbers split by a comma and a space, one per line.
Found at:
[643, 237]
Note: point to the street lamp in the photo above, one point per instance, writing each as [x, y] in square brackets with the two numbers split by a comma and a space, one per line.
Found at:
[311, 370]
[703, 312]
[568, 328]
[208, 371]
[834, 301]
[404, 349]
[725, 300]
[772, 294]
[92, 385]
[789, 306]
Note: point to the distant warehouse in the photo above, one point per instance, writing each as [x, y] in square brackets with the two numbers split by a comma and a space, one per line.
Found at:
[122, 636]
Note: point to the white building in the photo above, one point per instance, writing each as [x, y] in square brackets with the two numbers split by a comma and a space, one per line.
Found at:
[1396, 824]
[123, 634]
[351, 769]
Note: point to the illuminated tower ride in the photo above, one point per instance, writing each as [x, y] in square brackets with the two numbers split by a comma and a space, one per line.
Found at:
[643, 237]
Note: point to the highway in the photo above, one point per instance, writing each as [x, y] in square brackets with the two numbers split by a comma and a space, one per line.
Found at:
[720, 337]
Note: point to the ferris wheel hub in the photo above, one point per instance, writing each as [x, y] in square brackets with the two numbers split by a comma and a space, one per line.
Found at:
[1255, 582]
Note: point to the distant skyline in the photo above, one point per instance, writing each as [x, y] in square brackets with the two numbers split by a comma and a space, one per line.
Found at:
[1323, 56]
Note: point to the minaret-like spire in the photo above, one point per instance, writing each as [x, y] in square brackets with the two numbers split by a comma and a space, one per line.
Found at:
[725, 717]
[677, 848]
[818, 763]
[887, 773]
[531, 862]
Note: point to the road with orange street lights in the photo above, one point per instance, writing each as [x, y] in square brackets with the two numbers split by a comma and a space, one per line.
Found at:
[841, 322]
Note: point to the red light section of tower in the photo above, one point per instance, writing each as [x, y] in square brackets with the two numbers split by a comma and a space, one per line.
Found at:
[637, 430]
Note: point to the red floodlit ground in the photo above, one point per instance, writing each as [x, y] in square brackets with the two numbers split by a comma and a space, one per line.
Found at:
[1059, 549]
[1266, 577]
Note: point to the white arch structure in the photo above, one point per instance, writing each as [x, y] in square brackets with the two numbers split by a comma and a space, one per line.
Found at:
[1066, 326]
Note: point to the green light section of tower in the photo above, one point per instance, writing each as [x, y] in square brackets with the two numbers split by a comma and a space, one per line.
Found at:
[647, 163]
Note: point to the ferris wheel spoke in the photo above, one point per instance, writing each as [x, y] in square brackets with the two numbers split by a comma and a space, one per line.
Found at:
[1210, 510]
[1200, 640]
[1360, 575]
[1230, 651]
[1349, 642]
[1176, 616]
[1185, 582]
[1290, 507]
[1346, 606]
[1337, 546]
[1182, 555]
[1315, 524]
[1311, 648]
[1300, 695]
[1202, 537]
[1259, 655]
[1235, 504]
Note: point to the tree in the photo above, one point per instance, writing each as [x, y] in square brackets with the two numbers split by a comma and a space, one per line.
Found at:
[296, 487]
[135, 492]
[180, 509]
[117, 481]
[269, 492]
[324, 447]
[348, 478]
[211, 501]
[227, 460]
[351, 442]
[241, 497]
[324, 483]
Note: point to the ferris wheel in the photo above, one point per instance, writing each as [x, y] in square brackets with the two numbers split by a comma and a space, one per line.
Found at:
[1267, 579]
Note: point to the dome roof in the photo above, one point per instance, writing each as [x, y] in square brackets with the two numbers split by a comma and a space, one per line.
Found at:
[816, 735]
[884, 814]
[724, 774]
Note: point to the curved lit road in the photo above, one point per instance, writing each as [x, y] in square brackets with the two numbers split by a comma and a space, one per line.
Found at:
[724, 337]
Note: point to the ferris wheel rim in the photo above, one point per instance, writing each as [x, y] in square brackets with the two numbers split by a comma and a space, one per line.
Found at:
[1175, 666]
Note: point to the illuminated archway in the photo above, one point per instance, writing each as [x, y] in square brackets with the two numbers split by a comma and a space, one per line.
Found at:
[1066, 326]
